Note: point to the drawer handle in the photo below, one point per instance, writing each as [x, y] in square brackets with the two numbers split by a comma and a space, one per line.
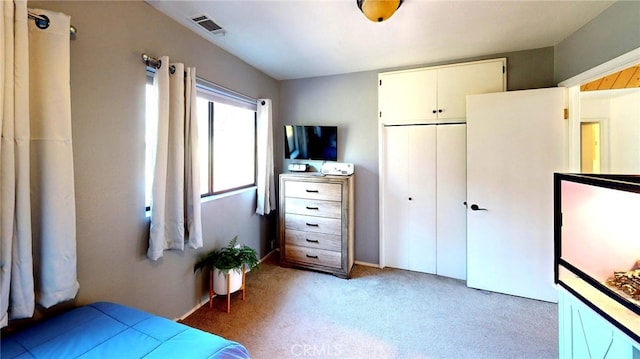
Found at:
[310, 256]
[314, 208]
[312, 224]
[312, 191]
[312, 240]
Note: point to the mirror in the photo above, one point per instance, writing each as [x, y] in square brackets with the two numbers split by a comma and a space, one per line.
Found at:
[610, 123]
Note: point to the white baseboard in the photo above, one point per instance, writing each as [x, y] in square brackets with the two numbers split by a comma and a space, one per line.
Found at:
[367, 264]
[203, 301]
[270, 253]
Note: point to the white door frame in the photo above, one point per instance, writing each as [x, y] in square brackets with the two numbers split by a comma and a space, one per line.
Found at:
[573, 84]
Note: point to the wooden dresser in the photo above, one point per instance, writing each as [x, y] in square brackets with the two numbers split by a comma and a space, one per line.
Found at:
[317, 222]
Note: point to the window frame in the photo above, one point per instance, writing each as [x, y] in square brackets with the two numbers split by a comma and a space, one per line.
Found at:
[216, 93]
[210, 153]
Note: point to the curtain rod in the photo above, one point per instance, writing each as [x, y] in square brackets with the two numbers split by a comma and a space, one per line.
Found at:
[42, 22]
[155, 63]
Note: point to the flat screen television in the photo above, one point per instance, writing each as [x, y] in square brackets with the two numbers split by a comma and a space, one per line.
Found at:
[311, 142]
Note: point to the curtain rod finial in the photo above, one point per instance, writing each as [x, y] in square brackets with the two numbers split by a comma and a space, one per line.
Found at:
[151, 61]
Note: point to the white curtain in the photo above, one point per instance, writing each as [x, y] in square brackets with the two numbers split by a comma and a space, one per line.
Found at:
[36, 173]
[175, 193]
[18, 296]
[192, 170]
[265, 181]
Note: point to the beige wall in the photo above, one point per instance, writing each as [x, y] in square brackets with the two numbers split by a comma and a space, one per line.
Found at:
[107, 94]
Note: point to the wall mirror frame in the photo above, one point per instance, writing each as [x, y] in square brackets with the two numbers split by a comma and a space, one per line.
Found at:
[573, 84]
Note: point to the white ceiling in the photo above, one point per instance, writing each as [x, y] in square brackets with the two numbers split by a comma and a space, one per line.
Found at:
[290, 39]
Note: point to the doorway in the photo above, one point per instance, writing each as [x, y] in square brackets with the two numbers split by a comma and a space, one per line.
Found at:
[590, 147]
[616, 156]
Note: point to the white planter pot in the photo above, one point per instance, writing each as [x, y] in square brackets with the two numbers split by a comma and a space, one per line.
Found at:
[220, 281]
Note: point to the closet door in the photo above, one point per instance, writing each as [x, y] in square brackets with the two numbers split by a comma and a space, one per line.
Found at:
[456, 82]
[394, 208]
[406, 97]
[421, 198]
[451, 170]
[408, 207]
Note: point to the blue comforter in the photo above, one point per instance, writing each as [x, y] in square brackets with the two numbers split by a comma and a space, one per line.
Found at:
[108, 330]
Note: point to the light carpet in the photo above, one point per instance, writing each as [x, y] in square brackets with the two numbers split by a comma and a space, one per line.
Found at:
[378, 313]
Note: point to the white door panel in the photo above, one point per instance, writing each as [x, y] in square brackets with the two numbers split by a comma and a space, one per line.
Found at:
[456, 82]
[422, 198]
[451, 169]
[515, 142]
[396, 176]
[409, 198]
[407, 97]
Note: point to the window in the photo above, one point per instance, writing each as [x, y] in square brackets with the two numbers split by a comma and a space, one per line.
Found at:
[227, 139]
[151, 127]
[227, 128]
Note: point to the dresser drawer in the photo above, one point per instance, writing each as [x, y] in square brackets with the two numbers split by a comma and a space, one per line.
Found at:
[313, 256]
[313, 240]
[314, 190]
[313, 224]
[312, 207]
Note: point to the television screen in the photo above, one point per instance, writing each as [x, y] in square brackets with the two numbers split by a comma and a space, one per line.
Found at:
[311, 142]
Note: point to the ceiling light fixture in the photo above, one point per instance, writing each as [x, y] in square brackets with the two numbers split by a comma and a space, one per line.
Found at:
[378, 10]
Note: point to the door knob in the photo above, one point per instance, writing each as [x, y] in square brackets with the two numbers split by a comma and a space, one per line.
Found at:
[475, 207]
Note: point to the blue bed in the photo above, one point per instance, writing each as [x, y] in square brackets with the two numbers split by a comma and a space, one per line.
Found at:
[109, 330]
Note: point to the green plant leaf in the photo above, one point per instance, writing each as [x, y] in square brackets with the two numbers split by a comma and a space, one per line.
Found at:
[231, 257]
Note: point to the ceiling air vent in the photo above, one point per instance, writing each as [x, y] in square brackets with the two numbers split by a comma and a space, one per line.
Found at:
[206, 23]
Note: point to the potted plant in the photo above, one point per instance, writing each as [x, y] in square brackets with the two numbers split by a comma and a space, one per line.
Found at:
[228, 264]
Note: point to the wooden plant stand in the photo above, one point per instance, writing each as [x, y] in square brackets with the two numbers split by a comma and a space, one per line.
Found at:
[211, 292]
